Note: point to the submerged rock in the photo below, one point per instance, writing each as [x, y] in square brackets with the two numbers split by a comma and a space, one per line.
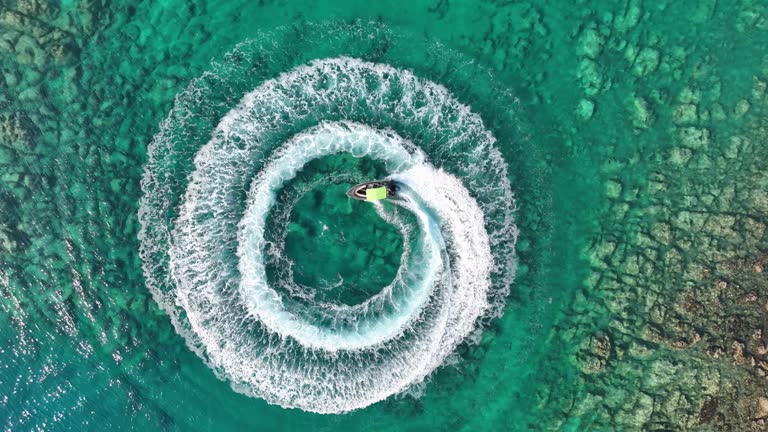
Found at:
[7, 155]
[630, 18]
[37, 8]
[689, 96]
[762, 408]
[642, 116]
[591, 43]
[694, 138]
[685, 113]
[586, 109]
[680, 155]
[29, 52]
[32, 42]
[741, 108]
[718, 113]
[16, 132]
[758, 89]
[590, 77]
[647, 61]
[7, 243]
[613, 189]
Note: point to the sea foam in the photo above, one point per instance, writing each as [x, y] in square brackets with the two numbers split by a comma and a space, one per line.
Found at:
[205, 260]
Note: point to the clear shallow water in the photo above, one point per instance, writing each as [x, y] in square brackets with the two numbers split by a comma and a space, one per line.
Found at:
[633, 141]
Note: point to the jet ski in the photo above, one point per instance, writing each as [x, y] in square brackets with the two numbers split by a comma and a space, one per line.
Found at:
[373, 191]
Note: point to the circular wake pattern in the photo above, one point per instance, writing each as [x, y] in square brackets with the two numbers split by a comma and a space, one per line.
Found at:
[209, 249]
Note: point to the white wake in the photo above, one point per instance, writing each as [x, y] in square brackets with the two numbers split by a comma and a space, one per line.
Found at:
[205, 259]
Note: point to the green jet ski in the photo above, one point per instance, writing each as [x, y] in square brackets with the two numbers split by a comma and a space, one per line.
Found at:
[373, 191]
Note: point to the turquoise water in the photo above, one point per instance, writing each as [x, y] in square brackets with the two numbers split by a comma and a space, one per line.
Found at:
[580, 244]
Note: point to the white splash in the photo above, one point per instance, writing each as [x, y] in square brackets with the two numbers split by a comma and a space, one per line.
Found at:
[206, 264]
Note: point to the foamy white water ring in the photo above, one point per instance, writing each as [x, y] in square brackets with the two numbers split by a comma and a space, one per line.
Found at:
[204, 257]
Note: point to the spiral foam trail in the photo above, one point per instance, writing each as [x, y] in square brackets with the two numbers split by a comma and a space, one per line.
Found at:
[205, 258]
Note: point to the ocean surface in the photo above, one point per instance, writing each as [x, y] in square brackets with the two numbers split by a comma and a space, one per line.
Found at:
[578, 240]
